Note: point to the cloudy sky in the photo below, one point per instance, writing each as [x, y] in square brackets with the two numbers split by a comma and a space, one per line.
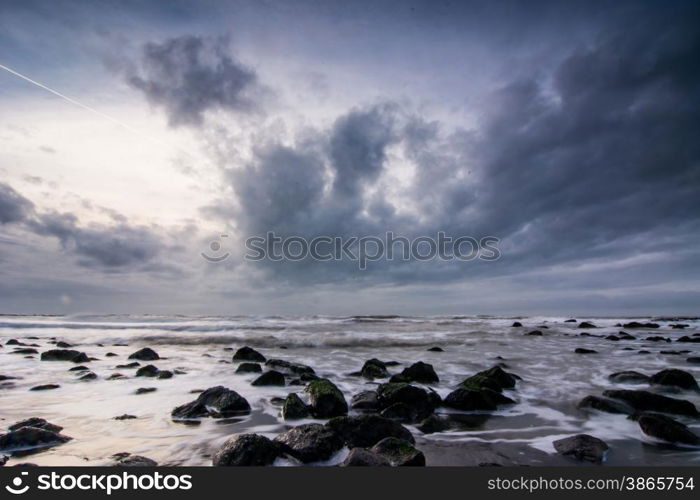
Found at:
[135, 133]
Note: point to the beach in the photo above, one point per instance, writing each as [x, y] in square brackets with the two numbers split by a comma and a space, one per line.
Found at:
[195, 353]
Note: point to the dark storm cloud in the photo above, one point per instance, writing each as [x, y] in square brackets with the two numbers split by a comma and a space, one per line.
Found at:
[13, 206]
[111, 248]
[596, 157]
[189, 75]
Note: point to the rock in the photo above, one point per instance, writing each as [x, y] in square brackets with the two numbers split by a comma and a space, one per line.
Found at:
[145, 354]
[420, 372]
[693, 359]
[685, 338]
[373, 368]
[401, 412]
[271, 377]
[147, 371]
[433, 424]
[586, 324]
[125, 416]
[361, 457]
[614, 338]
[247, 450]
[436, 349]
[45, 387]
[87, 376]
[667, 429]
[680, 326]
[636, 324]
[37, 422]
[626, 336]
[570, 321]
[365, 400]
[116, 376]
[648, 401]
[135, 364]
[216, 402]
[326, 399]
[399, 452]
[605, 405]
[25, 350]
[249, 368]
[63, 345]
[248, 354]
[582, 447]
[471, 400]
[145, 390]
[364, 431]
[294, 408]
[165, 374]
[534, 333]
[128, 460]
[310, 442]
[629, 377]
[495, 378]
[516, 324]
[7, 377]
[13, 342]
[79, 368]
[110, 355]
[31, 437]
[305, 372]
[583, 350]
[675, 378]
[657, 338]
[64, 355]
[414, 397]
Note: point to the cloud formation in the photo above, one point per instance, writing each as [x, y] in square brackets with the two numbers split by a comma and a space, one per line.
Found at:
[190, 75]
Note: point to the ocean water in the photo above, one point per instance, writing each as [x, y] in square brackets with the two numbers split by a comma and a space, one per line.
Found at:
[554, 378]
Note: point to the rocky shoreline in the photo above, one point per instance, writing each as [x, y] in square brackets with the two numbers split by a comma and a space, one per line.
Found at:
[388, 423]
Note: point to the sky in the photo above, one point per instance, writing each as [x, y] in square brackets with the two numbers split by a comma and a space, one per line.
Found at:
[133, 134]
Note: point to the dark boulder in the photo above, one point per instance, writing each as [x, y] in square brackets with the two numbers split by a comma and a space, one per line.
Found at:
[434, 424]
[306, 373]
[374, 368]
[116, 376]
[420, 372]
[675, 378]
[145, 354]
[605, 405]
[31, 437]
[248, 354]
[693, 359]
[145, 390]
[401, 412]
[629, 377]
[216, 402]
[649, 401]
[135, 364]
[365, 400]
[294, 408]
[637, 324]
[310, 442]
[399, 452]
[45, 387]
[420, 400]
[37, 422]
[147, 371]
[685, 338]
[87, 376]
[125, 416]
[667, 429]
[125, 459]
[249, 368]
[361, 457]
[164, 374]
[326, 399]
[472, 400]
[534, 333]
[436, 349]
[570, 321]
[271, 377]
[495, 378]
[247, 450]
[582, 447]
[614, 338]
[64, 355]
[516, 324]
[367, 430]
[586, 324]
[583, 350]
[657, 338]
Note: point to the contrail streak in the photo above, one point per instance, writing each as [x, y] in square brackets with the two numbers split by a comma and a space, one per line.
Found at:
[84, 106]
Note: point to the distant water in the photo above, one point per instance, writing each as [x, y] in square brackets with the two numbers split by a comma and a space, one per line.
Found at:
[554, 378]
